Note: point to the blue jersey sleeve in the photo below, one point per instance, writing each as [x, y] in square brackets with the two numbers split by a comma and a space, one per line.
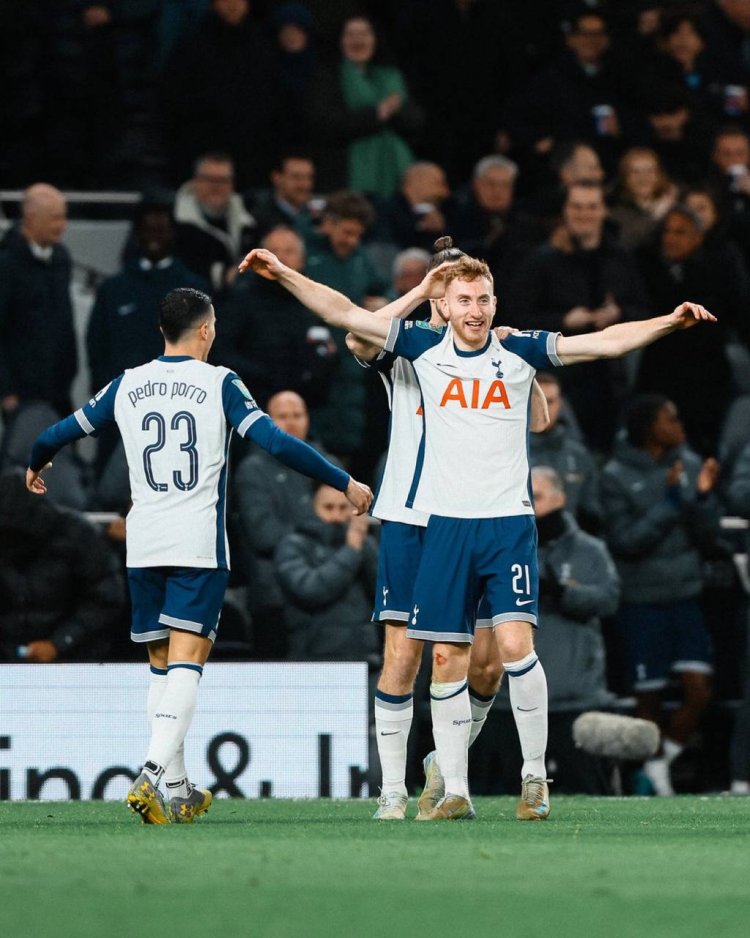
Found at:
[240, 407]
[297, 455]
[382, 363]
[87, 420]
[412, 339]
[538, 348]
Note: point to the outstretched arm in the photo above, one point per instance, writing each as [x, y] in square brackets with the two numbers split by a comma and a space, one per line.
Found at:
[625, 337]
[333, 307]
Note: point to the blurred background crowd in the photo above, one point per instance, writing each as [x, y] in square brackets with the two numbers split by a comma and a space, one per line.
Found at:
[596, 154]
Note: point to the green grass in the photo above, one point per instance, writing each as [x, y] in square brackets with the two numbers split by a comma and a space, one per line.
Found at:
[282, 869]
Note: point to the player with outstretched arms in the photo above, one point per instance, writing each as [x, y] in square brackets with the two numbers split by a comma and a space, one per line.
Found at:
[176, 415]
[472, 478]
[401, 537]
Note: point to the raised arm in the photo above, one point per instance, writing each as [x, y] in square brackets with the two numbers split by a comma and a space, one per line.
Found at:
[336, 309]
[625, 337]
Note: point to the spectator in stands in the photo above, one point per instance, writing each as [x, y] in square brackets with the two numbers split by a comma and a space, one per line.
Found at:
[271, 502]
[641, 196]
[578, 585]
[293, 27]
[677, 267]
[570, 162]
[413, 217]
[727, 30]
[270, 339]
[287, 201]
[123, 330]
[335, 257]
[661, 512]
[38, 356]
[327, 570]
[409, 269]
[579, 95]
[582, 281]
[360, 116]
[212, 94]
[61, 589]
[557, 448]
[676, 133]
[214, 229]
[730, 172]
[485, 221]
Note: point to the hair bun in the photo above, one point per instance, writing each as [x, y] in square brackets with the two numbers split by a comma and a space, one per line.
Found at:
[443, 244]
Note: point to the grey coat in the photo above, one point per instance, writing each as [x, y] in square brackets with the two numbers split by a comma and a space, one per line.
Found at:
[738, 491]
[574, 464]
[329, 588]
[655, 534]
[569, 640]
[271, 501]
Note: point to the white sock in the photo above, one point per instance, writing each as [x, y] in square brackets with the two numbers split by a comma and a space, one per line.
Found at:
[393, 719]
[527, 686]
[451, 726]
[480, 707]
[175, 775]
[173, 715]
[671, 749]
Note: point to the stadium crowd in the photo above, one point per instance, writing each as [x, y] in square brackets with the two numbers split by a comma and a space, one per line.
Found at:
[595, 154]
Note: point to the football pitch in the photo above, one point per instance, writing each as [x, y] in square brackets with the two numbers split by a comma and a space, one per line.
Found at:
[282, 869]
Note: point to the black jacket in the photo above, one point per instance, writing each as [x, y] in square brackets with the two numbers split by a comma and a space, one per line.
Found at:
[59, 579]
[38, 356]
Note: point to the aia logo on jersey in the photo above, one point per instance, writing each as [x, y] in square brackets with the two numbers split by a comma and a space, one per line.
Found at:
[468, 394]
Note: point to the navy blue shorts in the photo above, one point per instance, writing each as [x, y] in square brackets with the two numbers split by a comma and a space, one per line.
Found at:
[164, 598]
[659, 638]
[462, 559]
[398, 562]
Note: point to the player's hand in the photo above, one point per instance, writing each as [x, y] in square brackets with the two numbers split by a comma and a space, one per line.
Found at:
[674, 473]
[359, 495]
[263, 262]
[41, 652]
[502, 332]
[35, 482]
[433, 283]
[689, 314]
[707, 476]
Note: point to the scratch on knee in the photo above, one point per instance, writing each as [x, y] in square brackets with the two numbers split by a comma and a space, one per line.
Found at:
[440, 658]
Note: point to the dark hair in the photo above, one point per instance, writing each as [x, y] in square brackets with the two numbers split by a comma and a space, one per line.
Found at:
[670, 22]
[578, 11]
[214, 156]
[731, 130]
[350, 206]
[151, 207]
[291, 154]
[548, 377]
[444, 251]
[686, 212]
[564, 152]
[640, 416]
[667, 99]
[180, 310]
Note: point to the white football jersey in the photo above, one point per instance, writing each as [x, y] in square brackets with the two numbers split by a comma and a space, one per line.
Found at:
[473, 456]
[174, 416]
[404, 437]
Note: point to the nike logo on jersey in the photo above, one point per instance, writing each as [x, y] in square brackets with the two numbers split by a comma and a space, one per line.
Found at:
[524, 602]
[392, 733]
[527, 709]
[457, 392]
[446, 365]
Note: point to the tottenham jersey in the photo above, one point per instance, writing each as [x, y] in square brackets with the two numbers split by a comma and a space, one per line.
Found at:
[174, 416]
[473, 455]
[404, 436]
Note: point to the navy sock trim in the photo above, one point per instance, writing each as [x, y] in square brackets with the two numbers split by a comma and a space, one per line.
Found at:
[482, 698]
[393, 698]
[154, 670]
[460, 690]
[188, 665]
[526, 670]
